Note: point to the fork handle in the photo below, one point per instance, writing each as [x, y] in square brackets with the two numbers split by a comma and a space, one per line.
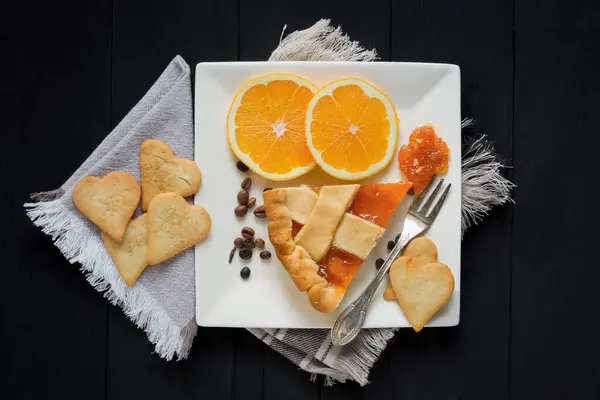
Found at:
[349, 323]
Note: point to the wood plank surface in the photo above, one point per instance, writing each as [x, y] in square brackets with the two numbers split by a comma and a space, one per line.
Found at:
[147, 36]
[529, 321]
[262, 23]
[555, 297]
[472, 360]
[55, 109]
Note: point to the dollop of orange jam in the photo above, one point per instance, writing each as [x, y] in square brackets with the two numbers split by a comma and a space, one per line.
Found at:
[378, 201]
[424, 156]
[339, 267]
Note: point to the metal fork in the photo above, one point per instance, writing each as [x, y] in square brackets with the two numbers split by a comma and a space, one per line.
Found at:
[420, 217]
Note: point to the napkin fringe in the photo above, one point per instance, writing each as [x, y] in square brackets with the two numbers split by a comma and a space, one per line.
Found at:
[320, 42]
[80, 244]
[332, 376]
[483, 185]
[358, 359]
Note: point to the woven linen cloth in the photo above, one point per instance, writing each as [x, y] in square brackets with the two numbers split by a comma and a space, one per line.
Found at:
[483, 187]
[162, 301]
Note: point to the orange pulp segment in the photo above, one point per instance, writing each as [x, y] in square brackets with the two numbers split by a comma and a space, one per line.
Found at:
[266, 126]
[351, 129]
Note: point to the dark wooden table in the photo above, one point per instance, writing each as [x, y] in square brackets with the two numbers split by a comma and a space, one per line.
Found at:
[530, 283]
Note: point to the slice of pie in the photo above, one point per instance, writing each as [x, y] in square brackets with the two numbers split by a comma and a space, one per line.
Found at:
[323, 234]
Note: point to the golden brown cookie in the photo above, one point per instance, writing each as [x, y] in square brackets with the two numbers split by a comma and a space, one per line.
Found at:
[421, 247]
[162, 172]
[108, 202]
[173, 226]
[129, 255]
[422, 290]
[389, 291]
[423, 251]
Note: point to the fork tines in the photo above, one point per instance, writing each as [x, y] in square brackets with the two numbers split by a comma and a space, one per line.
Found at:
[426, 210]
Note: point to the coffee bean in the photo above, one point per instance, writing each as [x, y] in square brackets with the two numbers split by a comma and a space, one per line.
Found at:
[241, 210]
[379, 263]
[259, 212]
[246, 183]
[267, 189]
[249, 244]
[245, 254]
[397, 237]
[241, 166]
[238, 242]
[259, 243]
[248, 232]
[251, 202]
[232, 254]
[391, 245]
[265, 255]
[243, 196]
[245, 273]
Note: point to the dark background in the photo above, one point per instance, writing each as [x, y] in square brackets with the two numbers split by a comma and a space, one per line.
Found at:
[530, 281]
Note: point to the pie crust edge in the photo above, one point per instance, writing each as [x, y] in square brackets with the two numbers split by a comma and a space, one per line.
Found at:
[303, 270]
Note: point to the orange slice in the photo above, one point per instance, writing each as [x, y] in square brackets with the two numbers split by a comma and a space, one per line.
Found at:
[266, 126]
[351, 129]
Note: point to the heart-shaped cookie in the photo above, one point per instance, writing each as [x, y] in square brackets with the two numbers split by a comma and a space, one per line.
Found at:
[173, 226]
[422, 290]
[108, 202]
[162, 172]
[423, 251]
[129, 255]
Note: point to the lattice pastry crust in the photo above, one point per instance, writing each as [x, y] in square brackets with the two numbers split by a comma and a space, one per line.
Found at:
[325, 223]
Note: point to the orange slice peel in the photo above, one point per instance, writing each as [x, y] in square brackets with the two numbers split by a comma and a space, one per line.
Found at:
[351, 129]
[266, 126]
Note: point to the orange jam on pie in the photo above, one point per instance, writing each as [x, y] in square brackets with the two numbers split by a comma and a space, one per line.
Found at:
[296, 228]
[339, 267]
[425, 156]
[375, 203]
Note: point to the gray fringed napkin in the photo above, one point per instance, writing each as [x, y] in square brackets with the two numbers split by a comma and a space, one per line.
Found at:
[483, 187]
[167, 316]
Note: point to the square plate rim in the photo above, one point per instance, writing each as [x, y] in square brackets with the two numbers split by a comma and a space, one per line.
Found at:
[452, 320]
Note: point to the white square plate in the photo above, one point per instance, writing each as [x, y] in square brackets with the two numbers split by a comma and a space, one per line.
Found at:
[421, 93]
